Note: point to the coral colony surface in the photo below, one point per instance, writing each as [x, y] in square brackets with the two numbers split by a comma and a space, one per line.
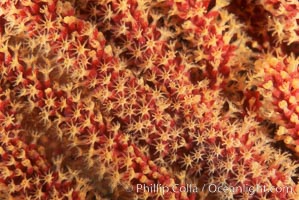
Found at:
[149, 99]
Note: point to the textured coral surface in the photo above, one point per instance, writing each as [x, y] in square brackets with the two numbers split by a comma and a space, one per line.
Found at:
[141, 99]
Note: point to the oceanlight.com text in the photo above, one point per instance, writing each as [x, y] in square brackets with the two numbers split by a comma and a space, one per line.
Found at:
[212, 188]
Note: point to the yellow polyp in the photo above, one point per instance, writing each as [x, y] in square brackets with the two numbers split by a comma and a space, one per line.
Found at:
[130, 149]
[100, 37]
[279, 183]
[1, 151]
[151, 163]
[297, 149]
[184, 195]
[92, 54]
[295, 84]
[187, 25]
[48, 91]
[138, 160]
[292, 100]
[163, 170]
[146, 170]
[273, 61]
[69, 19]
[284, 74]
[108, 50]
[255, 44]
[288, 140]
[155, 175]
[294, 118]
[283, 104]
[171, 181]
[281, 131]
[143, 179]
[268, 85]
